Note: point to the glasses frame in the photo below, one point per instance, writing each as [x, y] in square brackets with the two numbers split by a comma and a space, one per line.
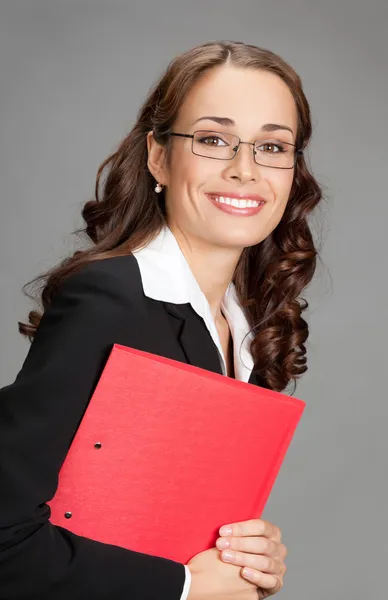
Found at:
[236, 148]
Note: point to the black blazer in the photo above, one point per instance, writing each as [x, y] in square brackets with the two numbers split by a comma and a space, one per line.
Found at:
[98, 306]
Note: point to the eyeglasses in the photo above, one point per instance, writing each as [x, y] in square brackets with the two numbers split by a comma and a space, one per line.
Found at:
[224, 146]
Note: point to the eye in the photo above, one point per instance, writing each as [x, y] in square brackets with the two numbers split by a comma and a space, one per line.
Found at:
[271, 147]
[213, 141]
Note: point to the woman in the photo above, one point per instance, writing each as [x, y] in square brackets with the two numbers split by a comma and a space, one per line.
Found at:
[201, 248]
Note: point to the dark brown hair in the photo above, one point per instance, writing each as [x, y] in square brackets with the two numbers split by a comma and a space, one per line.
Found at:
[270, 276]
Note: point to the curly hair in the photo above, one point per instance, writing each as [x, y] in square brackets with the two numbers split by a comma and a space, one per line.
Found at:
[270, 276]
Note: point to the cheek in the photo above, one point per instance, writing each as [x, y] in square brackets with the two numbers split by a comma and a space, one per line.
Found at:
[191, 171]
[189, 175]
[281, 184]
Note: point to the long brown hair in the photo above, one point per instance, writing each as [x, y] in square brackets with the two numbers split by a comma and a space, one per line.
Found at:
[270, 276]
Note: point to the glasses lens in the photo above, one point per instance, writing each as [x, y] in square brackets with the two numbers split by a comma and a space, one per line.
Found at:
[214, 144]
[272, 153]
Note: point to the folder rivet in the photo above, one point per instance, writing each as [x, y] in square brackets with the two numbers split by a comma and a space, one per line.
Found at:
[68, 515]
[98, 445]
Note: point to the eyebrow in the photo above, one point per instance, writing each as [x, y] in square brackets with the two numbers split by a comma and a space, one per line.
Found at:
[268, 127]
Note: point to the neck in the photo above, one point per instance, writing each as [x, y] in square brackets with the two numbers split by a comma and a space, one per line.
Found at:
[212, 266]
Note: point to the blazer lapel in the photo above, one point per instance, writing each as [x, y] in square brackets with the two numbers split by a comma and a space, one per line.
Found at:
[253, 378]
[257, 380]
[194, 338]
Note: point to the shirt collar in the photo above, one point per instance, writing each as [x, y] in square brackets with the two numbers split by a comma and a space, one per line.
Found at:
[167, 277]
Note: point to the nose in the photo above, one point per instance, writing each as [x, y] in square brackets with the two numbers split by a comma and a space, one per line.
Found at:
[243, 166]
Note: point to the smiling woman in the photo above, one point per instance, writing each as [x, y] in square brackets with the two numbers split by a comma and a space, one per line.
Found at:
[247, 101]
[200, 250]
[249, 92]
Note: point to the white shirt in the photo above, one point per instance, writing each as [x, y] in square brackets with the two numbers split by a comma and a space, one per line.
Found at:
[167, 277]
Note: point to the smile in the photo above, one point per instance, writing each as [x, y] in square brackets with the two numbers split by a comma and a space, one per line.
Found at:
[247, 206]
[244, 203]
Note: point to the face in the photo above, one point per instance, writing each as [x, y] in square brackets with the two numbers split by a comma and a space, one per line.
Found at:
[228, 203]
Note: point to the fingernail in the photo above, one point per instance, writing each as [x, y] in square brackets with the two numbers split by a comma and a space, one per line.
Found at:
[227, 556]
[226, 530]
[223, 543]
[247, 573]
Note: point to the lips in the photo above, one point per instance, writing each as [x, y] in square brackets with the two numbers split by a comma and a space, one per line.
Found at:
[242, 205]
[237, 200]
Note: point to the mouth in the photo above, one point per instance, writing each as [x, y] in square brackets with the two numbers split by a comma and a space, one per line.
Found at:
[243, 205]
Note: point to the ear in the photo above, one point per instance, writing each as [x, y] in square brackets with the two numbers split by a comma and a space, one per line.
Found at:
[156, 159]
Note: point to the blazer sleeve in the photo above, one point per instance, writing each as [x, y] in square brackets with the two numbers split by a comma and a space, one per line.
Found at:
[39, 415]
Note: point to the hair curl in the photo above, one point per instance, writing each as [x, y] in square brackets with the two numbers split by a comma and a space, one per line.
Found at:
[270, 276]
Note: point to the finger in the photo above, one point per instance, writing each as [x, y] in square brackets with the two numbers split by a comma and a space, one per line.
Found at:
[254, 545]
[257, 562]
[250, 528]
[283, 551]
[264, 581]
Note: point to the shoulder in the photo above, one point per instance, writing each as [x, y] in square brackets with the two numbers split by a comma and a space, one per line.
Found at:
[102, 300]
[117, 276]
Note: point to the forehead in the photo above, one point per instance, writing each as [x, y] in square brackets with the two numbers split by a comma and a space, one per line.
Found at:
[249, 97]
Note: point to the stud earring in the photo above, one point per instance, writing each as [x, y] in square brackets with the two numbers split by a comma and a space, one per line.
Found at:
[158, 188]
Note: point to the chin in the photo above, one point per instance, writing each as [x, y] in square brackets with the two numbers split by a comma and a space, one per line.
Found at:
[237, 239]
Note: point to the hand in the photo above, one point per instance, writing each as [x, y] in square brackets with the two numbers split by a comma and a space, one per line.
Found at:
[256, 545]
[213, 579]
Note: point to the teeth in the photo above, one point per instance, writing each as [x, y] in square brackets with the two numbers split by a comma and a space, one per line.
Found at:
[238, 203]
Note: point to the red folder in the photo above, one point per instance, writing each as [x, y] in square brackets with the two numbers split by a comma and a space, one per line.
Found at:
[166, 453]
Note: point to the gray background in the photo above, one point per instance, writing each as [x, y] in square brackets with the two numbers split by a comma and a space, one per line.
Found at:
[72, 77]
